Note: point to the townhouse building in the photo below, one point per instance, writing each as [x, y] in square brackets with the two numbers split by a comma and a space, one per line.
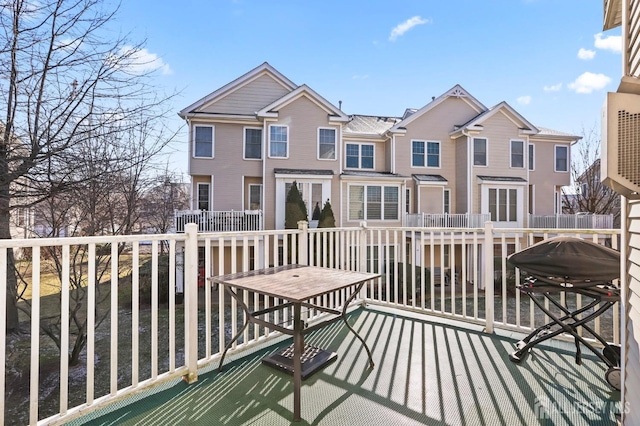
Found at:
[453, 162]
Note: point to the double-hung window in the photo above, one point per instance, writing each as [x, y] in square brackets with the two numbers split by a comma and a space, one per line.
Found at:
[373, 202]
[479, 152]
[425, 153]
[532, 157]
[517, 154]
[359, 156]
[252, 143]
[203, 141]
[326, 144]
[562, 158]
[278, 141]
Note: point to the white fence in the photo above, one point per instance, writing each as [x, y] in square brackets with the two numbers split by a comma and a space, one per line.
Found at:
[571, 221]
[219, 221]
[458, 220]
[136, 339]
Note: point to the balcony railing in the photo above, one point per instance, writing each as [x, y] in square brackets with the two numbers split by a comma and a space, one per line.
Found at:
[571, 221]
[138, 335]
[428, 220]
[219, 221]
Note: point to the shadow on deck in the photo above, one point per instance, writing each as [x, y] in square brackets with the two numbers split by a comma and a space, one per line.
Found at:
[428, 372]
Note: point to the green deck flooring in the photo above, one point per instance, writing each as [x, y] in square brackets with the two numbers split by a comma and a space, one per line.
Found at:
[427, 372]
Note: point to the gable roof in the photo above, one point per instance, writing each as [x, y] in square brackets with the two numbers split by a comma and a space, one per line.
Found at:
[239, 82]
[455, 92]
[476, 123]
[335, 114]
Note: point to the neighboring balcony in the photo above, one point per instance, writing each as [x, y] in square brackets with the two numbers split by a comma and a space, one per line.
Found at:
[219, 221]
[554, 221]
[429, 220]
[571, 221]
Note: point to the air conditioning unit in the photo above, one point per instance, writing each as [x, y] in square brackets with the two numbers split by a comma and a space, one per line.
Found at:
[620, 165]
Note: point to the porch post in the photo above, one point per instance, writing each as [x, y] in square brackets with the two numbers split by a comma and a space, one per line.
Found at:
[488, 276]
[191, 302]
[303, 242]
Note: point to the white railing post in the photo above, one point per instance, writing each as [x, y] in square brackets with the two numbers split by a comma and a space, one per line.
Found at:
[303, 242]
[191, 303]
[362, 248]
[488, 281]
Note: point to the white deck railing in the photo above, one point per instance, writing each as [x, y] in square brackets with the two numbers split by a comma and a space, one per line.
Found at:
[571, 221]
[431, 220]
[219, 221]
[157, 341]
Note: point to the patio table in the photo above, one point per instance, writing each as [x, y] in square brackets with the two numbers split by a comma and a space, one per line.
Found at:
[296, 287]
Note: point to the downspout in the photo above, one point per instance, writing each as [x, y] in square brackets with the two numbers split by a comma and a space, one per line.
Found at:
[469, 173]
[393, 153]
[340, 182]
[264, 171]
[189, 154]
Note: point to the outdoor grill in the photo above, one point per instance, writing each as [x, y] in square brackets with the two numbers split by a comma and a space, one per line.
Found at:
[571, 265]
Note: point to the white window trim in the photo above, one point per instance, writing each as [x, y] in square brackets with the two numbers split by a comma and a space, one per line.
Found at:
[484, 200]
[259, 185]
[426, 154]
[360, 144]
[198, 195]
[524, 161]
[555, 158]
[531, 164]
[269, 145]
[408, 200]
[335, 144]
[244, 143]
[486, 153]
[213, 140]
[382, 186]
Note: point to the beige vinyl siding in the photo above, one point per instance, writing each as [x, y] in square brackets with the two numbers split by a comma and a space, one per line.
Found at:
[229, 167]
[544, 177]
[632, 48]
[434, 125]
[250, 98]
[461, 205]
[499, 131]
[303, 117]
[228, 146]
[431, 199]
[632, 370]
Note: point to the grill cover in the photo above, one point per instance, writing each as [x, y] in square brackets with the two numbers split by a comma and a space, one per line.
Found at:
[570, 258]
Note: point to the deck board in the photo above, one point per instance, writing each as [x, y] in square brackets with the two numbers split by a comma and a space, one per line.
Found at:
[427, 372]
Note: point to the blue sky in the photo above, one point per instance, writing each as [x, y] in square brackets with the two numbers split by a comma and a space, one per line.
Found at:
[549, 59]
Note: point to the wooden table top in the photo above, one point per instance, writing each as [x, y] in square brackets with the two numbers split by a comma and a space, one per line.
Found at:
[295, 283]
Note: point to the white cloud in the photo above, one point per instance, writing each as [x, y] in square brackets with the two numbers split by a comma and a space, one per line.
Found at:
[524, 100]
[405, 26]
[588, 82]
[613, 43]
[586, 54]
[553, 87]
[140, 61]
